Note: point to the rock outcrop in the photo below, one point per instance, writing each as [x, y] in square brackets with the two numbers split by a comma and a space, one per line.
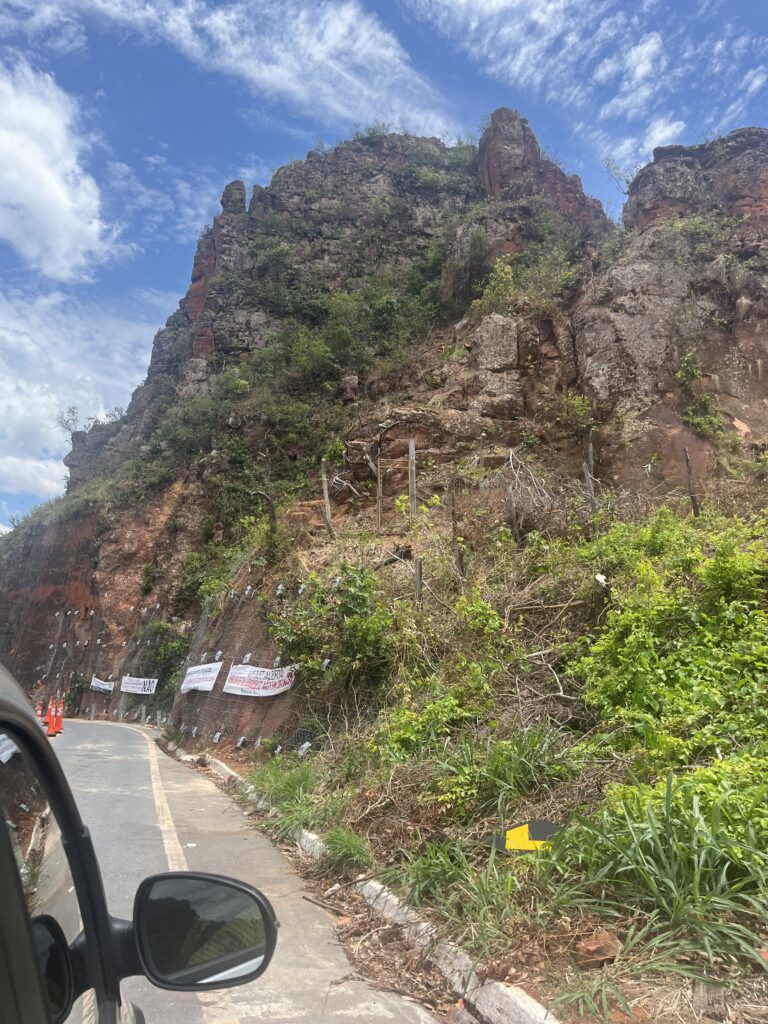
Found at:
[511, 165]
[689, 274]
[728, 176]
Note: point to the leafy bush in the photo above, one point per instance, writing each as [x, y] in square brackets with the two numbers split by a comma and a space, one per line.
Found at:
[702, 416]
[150, 574]
[690, 368]
[339, 636]
[432, 714]
[680, 664]
[162, 653]
[575, 412]
[540, 273]
[479, 615]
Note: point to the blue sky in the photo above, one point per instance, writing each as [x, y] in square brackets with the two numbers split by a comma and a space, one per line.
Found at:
[122, 120]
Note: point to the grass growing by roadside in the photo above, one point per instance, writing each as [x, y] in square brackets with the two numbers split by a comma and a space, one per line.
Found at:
[677, 864]
[475, 891]
[346, 852]
[293, 790]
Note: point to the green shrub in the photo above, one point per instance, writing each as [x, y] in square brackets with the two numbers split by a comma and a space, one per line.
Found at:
[540, 273]
[433, 714]
[575, 412]
[150, 574]
[703, 417]
[690, 368]
[678, 667]
[344, 625]
[479, 615]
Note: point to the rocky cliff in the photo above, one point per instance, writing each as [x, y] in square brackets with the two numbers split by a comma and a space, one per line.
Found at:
[348, 307]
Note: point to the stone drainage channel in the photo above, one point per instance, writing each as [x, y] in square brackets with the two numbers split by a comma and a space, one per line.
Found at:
[494, 1002]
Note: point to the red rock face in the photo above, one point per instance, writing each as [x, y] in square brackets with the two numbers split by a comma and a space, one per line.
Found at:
[510, 162]
[202, 272]
[508, 152]
[728, 176]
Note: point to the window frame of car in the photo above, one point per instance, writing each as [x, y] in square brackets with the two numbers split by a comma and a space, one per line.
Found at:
[20, 982]
[95, 966]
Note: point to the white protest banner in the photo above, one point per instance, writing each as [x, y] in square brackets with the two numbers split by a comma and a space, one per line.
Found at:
[252, 681]
[201, 677]
[132, 684]
[101, 684]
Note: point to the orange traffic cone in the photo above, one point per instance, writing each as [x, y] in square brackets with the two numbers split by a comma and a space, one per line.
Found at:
[60, 718]
[52, 723]
[49, 712]
[39, 709]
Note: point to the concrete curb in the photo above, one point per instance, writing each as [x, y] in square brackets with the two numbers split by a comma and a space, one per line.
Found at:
[495, 1001]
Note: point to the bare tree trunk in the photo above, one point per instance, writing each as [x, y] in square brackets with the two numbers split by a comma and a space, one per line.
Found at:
[695, 505]
[412, 475]
[378, 494]
[590, 487]
[417, 571]
[326, 501]
[458, 554]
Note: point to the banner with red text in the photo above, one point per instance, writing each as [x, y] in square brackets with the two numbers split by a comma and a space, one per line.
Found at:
[252, 681]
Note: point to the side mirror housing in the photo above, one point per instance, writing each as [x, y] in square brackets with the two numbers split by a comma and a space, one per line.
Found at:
[197, 931]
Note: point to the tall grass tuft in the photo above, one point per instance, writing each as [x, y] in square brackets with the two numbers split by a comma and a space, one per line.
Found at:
[674, 863]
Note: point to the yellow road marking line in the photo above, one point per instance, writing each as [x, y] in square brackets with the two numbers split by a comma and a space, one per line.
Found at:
[173, 851]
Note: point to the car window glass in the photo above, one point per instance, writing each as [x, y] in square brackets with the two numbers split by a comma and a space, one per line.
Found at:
[49, 889]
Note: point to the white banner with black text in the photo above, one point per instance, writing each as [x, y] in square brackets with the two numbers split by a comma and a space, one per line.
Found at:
[201, 677]
[132, 684]
[103, 685]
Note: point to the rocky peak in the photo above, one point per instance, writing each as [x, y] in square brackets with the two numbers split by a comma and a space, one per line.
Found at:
[233, 199]
[508, 151]
[511, 165]
[727, 175]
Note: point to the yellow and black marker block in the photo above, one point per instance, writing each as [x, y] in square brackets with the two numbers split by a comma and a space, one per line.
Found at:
[529, 835]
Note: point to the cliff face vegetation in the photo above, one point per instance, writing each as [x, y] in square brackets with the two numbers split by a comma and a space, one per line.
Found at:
[537, 626]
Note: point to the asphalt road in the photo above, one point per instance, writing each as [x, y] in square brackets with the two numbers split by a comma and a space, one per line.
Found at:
[148, 813]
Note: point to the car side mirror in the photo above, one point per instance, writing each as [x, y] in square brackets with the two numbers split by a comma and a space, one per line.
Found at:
[198, 931]
[55, 962]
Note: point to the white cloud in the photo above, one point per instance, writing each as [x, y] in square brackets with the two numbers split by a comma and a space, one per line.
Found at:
[645, 59]
[662, 132]
[331, 58]
[169, 204]
[649, 64]
[50, 206]
[754, 81]
[57, 350]
[44, 478]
